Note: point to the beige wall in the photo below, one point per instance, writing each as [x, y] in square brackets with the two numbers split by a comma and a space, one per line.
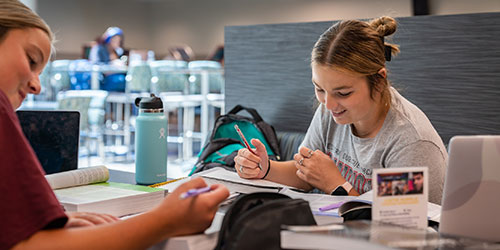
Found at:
[448, 7]
[159, 24]
[201, 23]
[78, 21]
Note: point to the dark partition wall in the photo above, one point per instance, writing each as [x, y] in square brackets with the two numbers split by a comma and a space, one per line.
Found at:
[449, 66]
[267, 67]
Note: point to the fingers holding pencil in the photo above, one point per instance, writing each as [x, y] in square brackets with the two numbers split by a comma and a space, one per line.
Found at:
[252, 165]
[245, 142]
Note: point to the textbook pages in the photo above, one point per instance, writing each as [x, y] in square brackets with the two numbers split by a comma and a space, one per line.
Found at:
[82, 176]
[85, 190]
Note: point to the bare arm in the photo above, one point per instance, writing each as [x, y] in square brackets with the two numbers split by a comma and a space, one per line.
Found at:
[285, 172]
[247, 165]
[171, 218]
[83, 219]
[319, 170]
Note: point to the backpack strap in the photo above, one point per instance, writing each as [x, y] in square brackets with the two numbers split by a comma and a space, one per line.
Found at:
[251, 111]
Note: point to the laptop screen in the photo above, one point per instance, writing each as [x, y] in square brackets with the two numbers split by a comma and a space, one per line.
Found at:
[54, 136]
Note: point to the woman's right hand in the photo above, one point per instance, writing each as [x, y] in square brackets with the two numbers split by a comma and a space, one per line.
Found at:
[249, 165]
[193, 214]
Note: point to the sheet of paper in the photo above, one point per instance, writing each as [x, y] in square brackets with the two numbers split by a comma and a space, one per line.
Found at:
[400, 196]
[230, 176]
[433, 212]
[238, 187]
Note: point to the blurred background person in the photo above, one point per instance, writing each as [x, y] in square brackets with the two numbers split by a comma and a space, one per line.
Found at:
[108, 50]
[109, 47]
[217, 55]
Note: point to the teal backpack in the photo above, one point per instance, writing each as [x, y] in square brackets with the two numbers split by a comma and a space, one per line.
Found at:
[224, 142]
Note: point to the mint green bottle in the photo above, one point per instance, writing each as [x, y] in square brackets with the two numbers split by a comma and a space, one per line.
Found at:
[150, 141]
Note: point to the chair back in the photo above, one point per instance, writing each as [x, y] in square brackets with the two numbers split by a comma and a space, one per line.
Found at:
[80, 74]
[90, 104]
[166, 79]
[138, 77]
[59, 76]
[47, 93]
[215, 77]
[68, 100]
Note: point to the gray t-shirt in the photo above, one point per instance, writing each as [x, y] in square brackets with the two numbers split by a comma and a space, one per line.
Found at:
[407, 139]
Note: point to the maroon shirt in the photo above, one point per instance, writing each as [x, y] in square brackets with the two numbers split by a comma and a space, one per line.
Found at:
[27, 203]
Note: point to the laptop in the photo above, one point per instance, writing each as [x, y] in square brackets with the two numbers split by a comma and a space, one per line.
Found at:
[54, 135]
[471, 197]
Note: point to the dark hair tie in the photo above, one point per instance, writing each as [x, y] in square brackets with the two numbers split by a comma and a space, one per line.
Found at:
[387, 50]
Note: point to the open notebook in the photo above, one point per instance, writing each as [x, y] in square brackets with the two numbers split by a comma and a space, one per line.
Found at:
[54, 136]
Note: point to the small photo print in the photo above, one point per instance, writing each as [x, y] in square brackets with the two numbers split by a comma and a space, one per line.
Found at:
[402, 183]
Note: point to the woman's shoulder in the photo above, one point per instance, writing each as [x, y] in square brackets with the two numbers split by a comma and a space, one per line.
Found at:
[407, 122]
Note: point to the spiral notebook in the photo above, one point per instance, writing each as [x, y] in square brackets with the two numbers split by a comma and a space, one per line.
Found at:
[54, 136]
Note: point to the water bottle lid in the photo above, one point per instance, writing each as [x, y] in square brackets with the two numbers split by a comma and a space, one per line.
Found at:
[152, 102]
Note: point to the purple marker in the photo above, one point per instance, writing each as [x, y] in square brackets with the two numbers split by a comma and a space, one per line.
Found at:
[331, 206]
[194, 192]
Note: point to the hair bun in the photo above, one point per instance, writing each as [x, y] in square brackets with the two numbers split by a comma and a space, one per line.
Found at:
[384, 25]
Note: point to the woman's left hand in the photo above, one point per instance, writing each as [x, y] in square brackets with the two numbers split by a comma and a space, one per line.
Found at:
[317, 169]
[83, 219]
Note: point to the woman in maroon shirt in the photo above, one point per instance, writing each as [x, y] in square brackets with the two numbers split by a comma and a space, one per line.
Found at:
[30, 215]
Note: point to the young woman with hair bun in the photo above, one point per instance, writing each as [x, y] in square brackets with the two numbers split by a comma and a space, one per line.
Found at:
[362, 123]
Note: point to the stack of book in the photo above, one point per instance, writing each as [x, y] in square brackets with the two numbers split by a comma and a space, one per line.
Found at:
[87, 190]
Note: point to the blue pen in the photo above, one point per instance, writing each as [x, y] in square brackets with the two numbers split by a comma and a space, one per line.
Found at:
[331, 206]
[194, 192]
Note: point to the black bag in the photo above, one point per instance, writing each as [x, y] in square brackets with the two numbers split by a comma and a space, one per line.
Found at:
[224, 142]
[254, 221]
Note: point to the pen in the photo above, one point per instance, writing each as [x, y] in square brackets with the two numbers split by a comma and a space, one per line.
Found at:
[331, 206]
[245, 141]
[194, 192]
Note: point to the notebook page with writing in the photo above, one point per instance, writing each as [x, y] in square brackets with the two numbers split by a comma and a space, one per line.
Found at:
[229, 176]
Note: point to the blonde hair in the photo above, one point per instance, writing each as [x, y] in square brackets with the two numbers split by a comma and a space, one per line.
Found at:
[16, 15]
[358, 47]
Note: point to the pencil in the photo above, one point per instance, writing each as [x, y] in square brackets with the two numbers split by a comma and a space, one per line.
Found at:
[165, 182]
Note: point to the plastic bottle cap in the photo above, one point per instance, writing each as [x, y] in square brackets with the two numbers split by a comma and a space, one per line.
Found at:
[152, 102]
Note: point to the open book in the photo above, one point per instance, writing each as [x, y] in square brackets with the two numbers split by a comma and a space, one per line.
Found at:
[231, 180]
[86, 190]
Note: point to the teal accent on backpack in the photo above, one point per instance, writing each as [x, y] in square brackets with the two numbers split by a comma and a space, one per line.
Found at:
[220, 154]
[249, 130]
[224, 142]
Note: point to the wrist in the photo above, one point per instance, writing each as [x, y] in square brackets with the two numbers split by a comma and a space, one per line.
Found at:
[268, 169]
[342, 189]
[160, 220]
